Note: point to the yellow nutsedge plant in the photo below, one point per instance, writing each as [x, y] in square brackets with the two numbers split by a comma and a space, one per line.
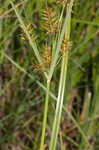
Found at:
[50, 21]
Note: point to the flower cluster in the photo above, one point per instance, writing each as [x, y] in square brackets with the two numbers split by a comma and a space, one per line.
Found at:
[66, 46]
[30, 31]
[50, 21]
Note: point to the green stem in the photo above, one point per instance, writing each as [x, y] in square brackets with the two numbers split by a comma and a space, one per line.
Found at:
[59, 102]
[45, 115]
[61, 89]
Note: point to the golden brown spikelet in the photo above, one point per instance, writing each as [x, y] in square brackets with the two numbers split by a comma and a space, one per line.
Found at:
[66, 46]
[46, 59]
[50, 21]
[46, 56]
[30, 31]
[38, 67]
[59, 1]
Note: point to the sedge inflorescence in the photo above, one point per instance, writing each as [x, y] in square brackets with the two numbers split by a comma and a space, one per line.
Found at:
[46, 55]
[46, 59]
[61, 1]
[66, 46]
[50, 21]
[30, 31]
[51, 26]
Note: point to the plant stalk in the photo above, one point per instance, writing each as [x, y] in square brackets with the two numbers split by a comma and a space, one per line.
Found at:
[45, 115]
[61, 89]
[59, 102]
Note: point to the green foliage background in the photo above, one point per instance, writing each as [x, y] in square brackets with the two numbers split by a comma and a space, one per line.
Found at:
[22, 96]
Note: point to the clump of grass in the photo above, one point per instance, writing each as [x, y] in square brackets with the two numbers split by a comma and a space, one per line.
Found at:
[50, 27]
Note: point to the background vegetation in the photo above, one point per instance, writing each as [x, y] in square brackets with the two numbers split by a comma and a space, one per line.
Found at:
[22, 88]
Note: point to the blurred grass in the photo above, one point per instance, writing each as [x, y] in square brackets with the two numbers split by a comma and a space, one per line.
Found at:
[21, 93]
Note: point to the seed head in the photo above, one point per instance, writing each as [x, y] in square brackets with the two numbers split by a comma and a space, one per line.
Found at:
[50, 21]
[46, 56]
[66, 46]
[30, 31]
[61, 1]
